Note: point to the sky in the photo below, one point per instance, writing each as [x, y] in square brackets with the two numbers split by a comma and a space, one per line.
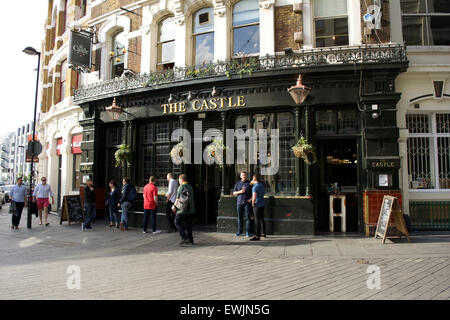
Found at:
[18, 79]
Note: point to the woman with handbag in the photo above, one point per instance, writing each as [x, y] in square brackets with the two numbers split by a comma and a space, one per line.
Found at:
[111, 203]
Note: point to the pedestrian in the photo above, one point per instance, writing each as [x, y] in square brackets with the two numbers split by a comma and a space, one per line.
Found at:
[126, 202]
[258, 207]
[18, 196]
[185, 208]
[150, 204]
[41, 194]
[113, 201]
[171, 197]
[243, 191]
[89, 205]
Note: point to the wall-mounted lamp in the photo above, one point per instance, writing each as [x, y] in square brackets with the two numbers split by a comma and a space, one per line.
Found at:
[190, 96]
[115, 110]
[214, 92]
[299, 92]
[171, 99]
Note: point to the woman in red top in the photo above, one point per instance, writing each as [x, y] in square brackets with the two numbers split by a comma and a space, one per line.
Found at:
[150, 204]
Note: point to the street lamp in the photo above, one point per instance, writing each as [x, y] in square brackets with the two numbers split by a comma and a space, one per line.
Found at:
[31, 51]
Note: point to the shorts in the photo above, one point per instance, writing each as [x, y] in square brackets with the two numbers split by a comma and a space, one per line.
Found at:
[42, 203]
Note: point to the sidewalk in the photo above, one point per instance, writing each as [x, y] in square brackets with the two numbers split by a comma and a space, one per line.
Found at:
[131, 265]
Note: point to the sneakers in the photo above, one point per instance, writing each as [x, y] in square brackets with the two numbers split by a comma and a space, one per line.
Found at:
[248, 235]
[255, 239]
[122, 227]
[183, 242]
[238, 234]
[157, 231]
[144, 232]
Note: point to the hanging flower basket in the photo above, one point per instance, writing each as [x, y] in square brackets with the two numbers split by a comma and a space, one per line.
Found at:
[305, 151]
[177, 153]
[216, 151]
[123, 156]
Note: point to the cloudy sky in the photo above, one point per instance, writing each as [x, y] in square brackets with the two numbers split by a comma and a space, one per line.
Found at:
[18, 79]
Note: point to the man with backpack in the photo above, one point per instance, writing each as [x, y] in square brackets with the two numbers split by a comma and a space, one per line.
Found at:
[126, 202]
[184, 207]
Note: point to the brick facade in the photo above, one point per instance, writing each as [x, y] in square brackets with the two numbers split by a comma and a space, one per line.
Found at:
[134, 54]
[372, 205]
[286, 23]
[108, 6]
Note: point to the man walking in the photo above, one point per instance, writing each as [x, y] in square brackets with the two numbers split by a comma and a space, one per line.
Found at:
[126, 202]
[243, 191]
[40, 195]
[258, 207]
[18, 195]
[150, 204]
[185, 207]
[171, 197]
[89, 205]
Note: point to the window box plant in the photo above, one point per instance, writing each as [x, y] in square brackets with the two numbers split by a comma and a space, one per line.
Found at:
[305, 151]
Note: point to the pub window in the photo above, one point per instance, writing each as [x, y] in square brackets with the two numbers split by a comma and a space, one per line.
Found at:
[76, 181]
[428, 148]
[166, 44]
[119, 50]
[63, 76]
[155, 148]
[331, 23]
[336, 122]
[425, 22]
[203, 35]
[245, 27]
[114, 138]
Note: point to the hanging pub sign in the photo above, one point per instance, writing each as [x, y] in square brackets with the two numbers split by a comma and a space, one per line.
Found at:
[80, 49]
[76, 143]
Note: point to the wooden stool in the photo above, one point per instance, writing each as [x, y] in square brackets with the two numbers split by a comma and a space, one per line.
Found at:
[333, 214]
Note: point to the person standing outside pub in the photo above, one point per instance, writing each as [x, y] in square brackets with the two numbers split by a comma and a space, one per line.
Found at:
[150, 204]
[113, 201]
[185, 207]
[18, 195]
[171, 197]
[89, 205]
[258, 207]
[126, 202]
[243, 191]
[41, 194]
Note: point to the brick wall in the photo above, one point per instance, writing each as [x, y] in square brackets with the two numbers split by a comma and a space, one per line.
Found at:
[108, 6]
[382, 35]
[372, 205]
[134, 54]
[286, 23]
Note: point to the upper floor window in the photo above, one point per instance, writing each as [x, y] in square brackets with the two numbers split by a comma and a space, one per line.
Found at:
[425, 22]
[246, 27]
[331, 23]
[83, 6]
[117, 59]
[62, 88]
[66, 16]
[166, 43]
[203, 34]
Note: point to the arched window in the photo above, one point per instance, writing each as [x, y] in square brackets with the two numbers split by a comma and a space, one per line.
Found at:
[118, 54]
[203, 35]
[166, 44]
[66, 16]
[246, 27]
[63, 77]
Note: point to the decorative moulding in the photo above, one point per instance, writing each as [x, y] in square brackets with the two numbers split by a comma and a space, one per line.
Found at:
[219, 8]
[265, 4]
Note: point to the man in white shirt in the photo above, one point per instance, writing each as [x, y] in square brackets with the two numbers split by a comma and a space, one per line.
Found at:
[171, 197]
[40, 195]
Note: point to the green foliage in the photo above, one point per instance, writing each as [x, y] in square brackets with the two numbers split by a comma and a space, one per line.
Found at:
[123, 156]
[304, 150]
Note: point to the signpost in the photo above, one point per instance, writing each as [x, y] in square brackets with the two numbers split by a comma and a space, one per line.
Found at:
[390, 207]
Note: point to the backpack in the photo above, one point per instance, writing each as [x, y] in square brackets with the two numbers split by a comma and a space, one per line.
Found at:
[132, 194]
[183, 202]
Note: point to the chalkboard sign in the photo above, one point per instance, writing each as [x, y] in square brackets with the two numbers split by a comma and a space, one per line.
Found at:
[390, 207]
[72, 211]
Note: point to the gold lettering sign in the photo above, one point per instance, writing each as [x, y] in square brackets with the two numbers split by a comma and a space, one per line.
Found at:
[204, 104]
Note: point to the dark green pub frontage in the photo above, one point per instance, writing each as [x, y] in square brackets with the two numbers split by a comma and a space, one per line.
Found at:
[349, 116]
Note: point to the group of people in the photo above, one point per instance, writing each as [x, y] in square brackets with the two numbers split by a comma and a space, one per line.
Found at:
[250, 194]
[41, 196]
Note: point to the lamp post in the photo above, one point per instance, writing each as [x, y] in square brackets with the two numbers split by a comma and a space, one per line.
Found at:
[31, 51]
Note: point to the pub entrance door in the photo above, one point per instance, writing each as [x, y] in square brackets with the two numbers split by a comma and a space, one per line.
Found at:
[338, 176]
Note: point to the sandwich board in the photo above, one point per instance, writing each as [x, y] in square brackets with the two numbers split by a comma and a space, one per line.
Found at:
[390, 208]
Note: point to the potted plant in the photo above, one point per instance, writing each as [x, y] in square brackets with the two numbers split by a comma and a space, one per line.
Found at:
[215, 151]
[177, 152]
[123, 156]
[304, 150]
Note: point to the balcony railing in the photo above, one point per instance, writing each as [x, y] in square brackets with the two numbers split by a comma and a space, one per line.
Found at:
[390, 53]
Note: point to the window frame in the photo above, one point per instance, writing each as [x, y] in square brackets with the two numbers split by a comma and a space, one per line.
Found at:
[122, 55]
[163, 65]
[195, 35]
[233, 54]
[333, 17]
[62, 83]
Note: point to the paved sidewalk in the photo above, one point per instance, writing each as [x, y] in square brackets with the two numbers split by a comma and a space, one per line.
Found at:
[131, 265]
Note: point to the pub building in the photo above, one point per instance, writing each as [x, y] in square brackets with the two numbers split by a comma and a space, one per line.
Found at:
[348, 115]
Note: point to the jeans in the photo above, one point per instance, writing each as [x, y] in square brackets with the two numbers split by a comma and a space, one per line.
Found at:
[184, 224]
[126, 206]
[259, 221]
[114, 214]
[147, 213]
[240, 211]
[170, 216]
[16, 217]
[90, 214]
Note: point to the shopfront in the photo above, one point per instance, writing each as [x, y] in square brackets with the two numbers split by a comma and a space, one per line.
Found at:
[349, 117]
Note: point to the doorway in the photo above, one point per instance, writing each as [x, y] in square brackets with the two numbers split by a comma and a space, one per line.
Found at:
[58, 200]
[338, 173]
